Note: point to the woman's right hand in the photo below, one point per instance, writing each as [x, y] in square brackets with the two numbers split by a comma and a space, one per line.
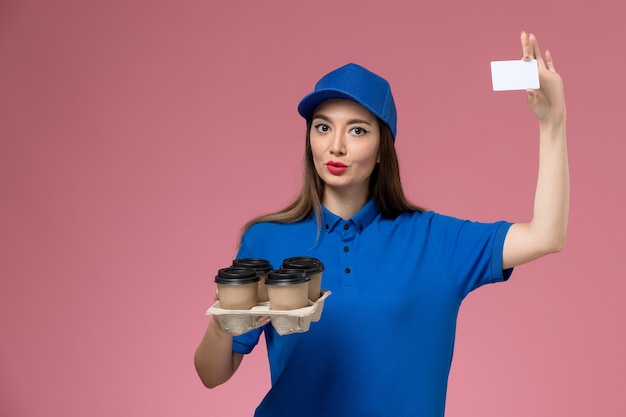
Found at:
[261, 321]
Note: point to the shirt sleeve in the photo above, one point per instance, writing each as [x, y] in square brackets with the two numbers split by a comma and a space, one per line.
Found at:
[471, 251]
[246, 342]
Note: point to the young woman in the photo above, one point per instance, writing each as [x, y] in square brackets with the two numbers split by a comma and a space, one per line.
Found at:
[398, 274]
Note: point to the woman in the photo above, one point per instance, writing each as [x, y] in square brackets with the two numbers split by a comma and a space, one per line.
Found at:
[398, 273]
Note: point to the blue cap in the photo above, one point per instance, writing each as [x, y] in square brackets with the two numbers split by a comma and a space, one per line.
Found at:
[353, 82]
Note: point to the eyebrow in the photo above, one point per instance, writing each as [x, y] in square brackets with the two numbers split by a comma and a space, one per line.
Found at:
[350, 122]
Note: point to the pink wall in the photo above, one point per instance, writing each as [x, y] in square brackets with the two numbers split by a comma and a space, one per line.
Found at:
[137, 136]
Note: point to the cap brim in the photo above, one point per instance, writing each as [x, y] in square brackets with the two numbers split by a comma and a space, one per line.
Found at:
[310, 102]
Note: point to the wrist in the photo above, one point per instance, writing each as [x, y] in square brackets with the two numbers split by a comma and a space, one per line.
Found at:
[216, 328]
[553, 124]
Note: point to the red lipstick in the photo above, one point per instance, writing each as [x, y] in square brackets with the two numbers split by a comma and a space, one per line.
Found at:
[336, 168]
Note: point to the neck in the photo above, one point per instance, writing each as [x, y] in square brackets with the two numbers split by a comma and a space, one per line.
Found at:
[345, 204]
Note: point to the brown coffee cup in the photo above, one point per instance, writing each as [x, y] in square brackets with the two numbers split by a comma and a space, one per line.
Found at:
[313, 267]
[288, 289]
[262, 267]
[237, 288]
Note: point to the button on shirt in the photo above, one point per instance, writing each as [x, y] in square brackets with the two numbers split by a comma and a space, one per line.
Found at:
[385, 340]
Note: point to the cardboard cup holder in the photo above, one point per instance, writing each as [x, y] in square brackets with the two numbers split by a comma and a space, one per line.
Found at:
[237, 322]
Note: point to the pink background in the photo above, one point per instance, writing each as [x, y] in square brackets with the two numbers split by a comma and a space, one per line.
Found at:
[136, 138]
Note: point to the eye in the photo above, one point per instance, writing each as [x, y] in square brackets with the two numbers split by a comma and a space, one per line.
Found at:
[358, 131]
[322, 128]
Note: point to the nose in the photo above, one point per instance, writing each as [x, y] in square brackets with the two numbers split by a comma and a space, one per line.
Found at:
[337, 146]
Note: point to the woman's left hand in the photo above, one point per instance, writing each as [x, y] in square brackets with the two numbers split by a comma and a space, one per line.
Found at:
[548, 102]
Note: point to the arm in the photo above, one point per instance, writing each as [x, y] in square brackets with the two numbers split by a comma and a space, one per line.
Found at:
[545, 233]
[215, 360]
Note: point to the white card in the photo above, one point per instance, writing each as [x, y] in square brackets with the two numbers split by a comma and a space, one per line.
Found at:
[514, 75]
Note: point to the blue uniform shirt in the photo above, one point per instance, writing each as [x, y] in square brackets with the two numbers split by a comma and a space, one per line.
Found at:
[384, 344]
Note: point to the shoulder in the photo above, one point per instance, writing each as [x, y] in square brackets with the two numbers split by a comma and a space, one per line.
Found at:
[417, 218]
[262, 228]
[276, 241]
[442, 226]
[272, 231]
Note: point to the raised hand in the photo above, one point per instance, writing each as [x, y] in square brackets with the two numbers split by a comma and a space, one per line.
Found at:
[548, 102]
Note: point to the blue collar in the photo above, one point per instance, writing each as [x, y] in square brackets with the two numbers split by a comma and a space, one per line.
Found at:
[361, 219]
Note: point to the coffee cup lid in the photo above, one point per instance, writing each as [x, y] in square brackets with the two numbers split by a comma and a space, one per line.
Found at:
[286, 277]
[259, 265]
[236, 276]
[303, 263]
